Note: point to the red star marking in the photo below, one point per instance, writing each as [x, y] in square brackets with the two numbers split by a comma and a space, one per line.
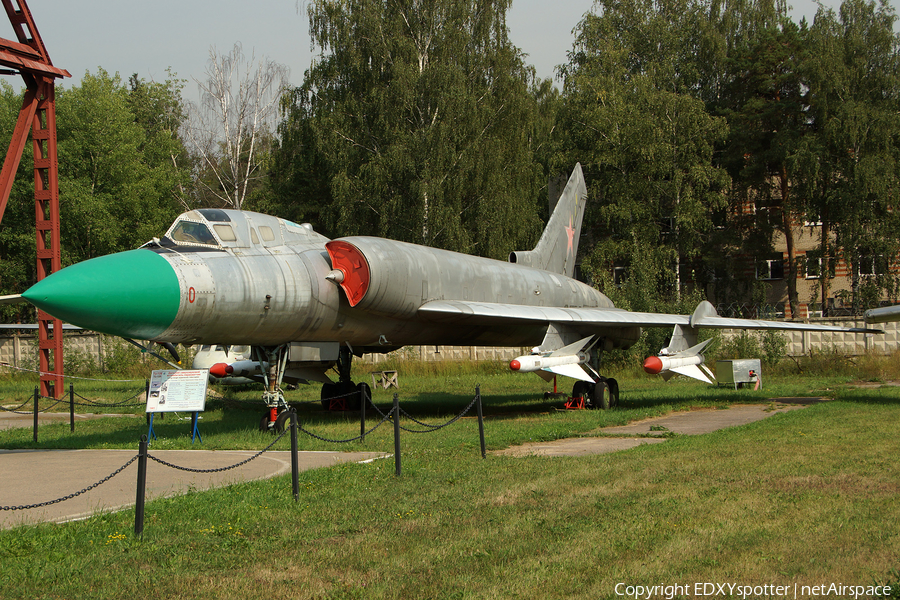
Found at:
[570, 231]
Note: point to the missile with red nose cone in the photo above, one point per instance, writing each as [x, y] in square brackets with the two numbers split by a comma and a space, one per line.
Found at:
[658, 364]
[687, 362]
[535, 362]
[570, 361]
[241, 368]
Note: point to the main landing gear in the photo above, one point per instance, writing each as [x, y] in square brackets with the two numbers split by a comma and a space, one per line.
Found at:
[344, 395]
[603, 394]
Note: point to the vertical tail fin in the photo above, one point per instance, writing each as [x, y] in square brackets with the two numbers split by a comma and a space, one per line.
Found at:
[558, 245]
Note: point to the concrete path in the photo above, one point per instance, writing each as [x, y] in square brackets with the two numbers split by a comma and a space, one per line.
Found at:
[694, 422]
[36, 476]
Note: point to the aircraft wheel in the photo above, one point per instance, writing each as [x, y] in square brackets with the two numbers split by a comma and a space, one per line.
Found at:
[580, 389]
[601, 395]
[613, 386]
[351, 395]
[283, 421]
[264, 422]
[329, 391]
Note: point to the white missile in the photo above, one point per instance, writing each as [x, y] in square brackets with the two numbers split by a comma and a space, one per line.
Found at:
[241, 368]
[687, 362]
[570, 361]
[536, 362]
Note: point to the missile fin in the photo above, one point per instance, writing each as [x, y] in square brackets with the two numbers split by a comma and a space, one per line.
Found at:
[573, 371]
[694, 350]
[693, 371]
[706, 370]
[572, 349]
[545, 375]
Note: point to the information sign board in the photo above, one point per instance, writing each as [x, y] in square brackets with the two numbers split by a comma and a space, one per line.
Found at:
[177, 391]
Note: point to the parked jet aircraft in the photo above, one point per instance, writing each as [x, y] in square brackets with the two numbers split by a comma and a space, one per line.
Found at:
[305, 304]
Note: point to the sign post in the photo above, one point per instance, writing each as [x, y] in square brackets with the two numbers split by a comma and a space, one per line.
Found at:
[178, 391]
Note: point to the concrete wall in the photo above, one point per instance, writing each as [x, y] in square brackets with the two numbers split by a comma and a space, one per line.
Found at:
[20, 350]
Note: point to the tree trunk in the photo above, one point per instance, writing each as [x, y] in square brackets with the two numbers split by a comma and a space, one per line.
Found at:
[791, 275]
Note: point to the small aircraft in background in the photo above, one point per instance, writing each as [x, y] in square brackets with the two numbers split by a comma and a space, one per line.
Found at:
[304, 304]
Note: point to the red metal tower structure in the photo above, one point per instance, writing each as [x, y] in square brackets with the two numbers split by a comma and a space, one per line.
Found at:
[28, 57]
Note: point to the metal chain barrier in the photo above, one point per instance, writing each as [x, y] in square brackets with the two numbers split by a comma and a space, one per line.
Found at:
[220, 469]
[16, 409]
[9, 366]
[122, 404]
[429, 426]
[353, 439]
[85, 490]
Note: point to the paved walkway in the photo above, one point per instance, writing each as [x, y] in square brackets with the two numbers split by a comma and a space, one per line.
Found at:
[34, 476]
[612, 439]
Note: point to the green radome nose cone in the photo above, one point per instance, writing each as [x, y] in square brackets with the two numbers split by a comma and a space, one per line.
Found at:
[132, 294]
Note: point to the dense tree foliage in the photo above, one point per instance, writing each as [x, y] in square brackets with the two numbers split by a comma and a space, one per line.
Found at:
[416, 123]
[850, 164]
[709, 131]
[120, 171]
[633, 116]
[680, 108]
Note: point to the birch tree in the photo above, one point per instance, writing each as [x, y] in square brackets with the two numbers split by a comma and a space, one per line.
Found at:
[232, 127]
[418, 116]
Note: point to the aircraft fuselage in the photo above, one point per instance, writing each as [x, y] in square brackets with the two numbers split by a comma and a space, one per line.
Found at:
[259, 280]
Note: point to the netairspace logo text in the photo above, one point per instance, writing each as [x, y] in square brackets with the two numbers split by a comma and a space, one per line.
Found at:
[736, 590]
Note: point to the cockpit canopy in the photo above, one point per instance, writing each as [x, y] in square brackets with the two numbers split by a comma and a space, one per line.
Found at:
[222, 228]
[191, 232]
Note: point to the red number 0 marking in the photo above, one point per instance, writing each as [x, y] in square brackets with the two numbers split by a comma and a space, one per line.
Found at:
[192, 295]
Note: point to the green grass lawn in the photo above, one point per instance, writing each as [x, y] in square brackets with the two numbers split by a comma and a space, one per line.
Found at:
[805, 497]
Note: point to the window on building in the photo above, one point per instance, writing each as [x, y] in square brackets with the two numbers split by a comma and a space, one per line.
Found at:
[814, 263]
[871, 264]
[770, 268]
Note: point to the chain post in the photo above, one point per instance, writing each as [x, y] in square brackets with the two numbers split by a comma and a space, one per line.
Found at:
[480, 419]
[362, 387]
[397, 435]
[141, 487]
[72, 407]
[37, 396]
[295, 466]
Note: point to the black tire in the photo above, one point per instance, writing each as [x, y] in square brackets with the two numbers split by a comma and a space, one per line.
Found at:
[283, 421]
[601, 395]
[351, 395]
[329, 392]
[580, 389]
[613, 392]
[264, 422]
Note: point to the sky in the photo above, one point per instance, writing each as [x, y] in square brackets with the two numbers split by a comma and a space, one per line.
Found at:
[146, 38]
